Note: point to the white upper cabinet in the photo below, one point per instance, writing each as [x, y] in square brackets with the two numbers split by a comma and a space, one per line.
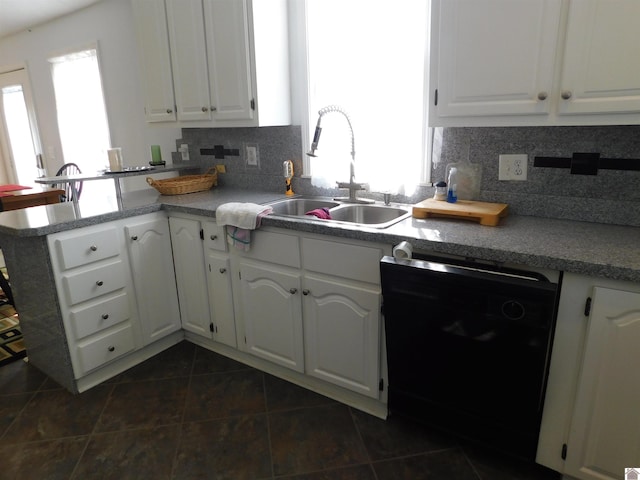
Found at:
[495, 57]
[601, 68]
[188, 54]
[155, 60]
[218, 49]
[534, 62]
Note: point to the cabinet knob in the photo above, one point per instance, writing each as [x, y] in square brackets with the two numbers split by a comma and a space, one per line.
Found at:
[222, 270]
[306, 291]
[205, 109]
[213, 109]
[214, 237]
[93, 248]
[105, 316]
[99, 283]
[134, 237]
[293, 291]
[111, 348]
[542, 96]
[169, 110]
[566, 94]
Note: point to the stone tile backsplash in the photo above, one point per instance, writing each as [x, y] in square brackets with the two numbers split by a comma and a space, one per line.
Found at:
[611, 196]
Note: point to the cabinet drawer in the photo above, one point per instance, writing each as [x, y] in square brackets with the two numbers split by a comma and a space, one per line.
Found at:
[106, 348]
[98, 316]
[342, 259]
[214, 236]
[92, 283]
[87, 248]
[275, 248]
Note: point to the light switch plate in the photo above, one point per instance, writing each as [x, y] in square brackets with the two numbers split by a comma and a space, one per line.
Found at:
[512, 166]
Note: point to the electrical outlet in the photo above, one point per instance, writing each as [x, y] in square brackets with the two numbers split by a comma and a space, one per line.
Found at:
[251, 154]
[512, 167]
[184, 150]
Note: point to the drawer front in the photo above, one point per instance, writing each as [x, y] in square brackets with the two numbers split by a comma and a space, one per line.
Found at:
[214, 236]
[87, 248]
[274, 247]
[82, 286]
[342, 259]
[94, 318]
[106, 348]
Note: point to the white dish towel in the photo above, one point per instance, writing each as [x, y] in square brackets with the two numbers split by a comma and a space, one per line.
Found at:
[240, 218]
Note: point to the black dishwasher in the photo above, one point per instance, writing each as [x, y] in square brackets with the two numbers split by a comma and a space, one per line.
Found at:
[468, 348]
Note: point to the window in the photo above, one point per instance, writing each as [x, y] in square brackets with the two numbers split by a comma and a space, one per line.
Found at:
[81, 113]
[369, 59]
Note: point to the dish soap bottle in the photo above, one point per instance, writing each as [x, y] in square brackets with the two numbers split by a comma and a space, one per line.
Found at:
[452, 186]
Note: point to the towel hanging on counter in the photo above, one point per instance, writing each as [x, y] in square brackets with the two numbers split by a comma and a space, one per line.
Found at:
[240, 218]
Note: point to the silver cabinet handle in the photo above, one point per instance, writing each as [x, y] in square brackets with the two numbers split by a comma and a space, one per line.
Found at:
[213, 109]
[223, 270]
[566, 94]
[293, 291]
[542, 96]
[105, 316]
[214, 237]
[99, 283]
[169, 110]
[306, 291]
[111, 348]
[205, 109]
[93, 248]
[134, 237]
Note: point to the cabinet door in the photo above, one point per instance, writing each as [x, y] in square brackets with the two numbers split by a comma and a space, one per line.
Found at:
[272, 314]
[605, 431]
[493, 57]
[229, 59]
[188, 256]
[342, 334]
[601, 72]
[155, 61]
[221, 298]
[189, 59]
[153, 277]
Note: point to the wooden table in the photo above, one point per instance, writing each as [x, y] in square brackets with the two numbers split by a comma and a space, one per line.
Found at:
[29, 198]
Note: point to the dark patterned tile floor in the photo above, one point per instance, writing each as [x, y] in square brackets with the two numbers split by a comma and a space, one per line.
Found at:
[189, 413]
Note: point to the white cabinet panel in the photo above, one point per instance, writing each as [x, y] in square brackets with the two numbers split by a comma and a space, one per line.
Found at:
[605, 431]
[272, 311]
[97, 316]
[221, 298]
[105, 348]
[89, 247]
[601, 71]
[342, 334]
[88, 284]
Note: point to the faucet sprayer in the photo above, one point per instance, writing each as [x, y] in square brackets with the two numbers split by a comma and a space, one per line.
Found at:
[352, 185]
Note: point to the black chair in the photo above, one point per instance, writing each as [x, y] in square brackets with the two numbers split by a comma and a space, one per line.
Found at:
[69, 187]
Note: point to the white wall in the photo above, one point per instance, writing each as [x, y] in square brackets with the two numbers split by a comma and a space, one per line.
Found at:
[110, 23]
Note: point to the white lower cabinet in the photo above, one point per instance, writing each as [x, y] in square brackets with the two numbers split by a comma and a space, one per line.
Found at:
[342, 333]
[272, 307]
[590, 426]
[116, 294]
[605, 429]
[149, 243]
[188, 258]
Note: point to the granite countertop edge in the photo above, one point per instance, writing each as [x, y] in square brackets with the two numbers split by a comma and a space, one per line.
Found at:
[592, 249]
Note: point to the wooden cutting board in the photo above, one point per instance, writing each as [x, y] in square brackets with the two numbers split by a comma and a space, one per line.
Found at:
[483, 212]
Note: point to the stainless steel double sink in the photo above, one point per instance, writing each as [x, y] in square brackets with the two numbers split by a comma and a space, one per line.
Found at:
[368, 215]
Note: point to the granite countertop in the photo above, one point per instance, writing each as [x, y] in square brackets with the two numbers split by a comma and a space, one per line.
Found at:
[593, 249]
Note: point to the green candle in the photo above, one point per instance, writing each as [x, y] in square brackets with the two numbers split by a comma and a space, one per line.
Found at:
[156, 154]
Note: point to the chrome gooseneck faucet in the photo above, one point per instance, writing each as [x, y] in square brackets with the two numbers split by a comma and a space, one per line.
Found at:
[352, 185]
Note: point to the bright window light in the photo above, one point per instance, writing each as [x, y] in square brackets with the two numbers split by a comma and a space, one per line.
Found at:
[369, 58]
[82, 117]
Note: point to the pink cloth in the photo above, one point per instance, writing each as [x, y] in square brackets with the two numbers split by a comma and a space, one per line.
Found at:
[322, 213]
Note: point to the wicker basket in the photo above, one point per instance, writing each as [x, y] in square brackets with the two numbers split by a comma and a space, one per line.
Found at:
[186, 183]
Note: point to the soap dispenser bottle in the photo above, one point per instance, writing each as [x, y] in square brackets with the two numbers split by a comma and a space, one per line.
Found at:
[288, 175]
[452, 186]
